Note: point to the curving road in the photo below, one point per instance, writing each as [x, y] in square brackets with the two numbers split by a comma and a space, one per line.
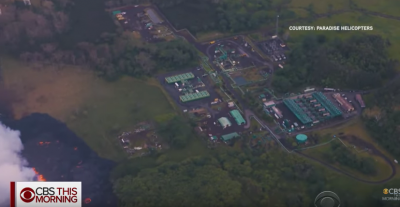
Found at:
[352, 176]
[249, 114]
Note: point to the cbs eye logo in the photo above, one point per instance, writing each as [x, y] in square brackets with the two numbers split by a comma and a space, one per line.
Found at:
[327, 199]
[27, 195]
[385, 191]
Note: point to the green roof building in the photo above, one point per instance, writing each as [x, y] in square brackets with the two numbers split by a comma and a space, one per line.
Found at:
[224, 122]
[230, 136]
[180, 77]
[238, 117]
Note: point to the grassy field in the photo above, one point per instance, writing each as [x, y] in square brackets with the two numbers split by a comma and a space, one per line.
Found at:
[390, 7]
[383, 169]
[387, 28]
[357, 129]
[321, 6]
[94, 109]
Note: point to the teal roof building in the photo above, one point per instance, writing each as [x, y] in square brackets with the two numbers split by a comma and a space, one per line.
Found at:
[230, 136]
[238, 117]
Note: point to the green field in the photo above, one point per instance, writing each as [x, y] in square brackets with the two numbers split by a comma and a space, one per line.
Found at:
[389, 7]
[117, 107]
[387, 28]
[383, 169]
[321, 6]
[96, 110]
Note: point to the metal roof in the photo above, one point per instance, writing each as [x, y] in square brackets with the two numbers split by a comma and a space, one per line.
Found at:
[224, 122]
[230, 136]
[153, 16]
[194, 96]
[180, 77]
[238, 117]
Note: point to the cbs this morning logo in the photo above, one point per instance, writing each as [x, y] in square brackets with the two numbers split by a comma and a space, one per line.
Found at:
[46, 194]
[392, 191]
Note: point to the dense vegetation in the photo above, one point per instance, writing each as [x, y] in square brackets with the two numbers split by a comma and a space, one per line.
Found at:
[344, 156]
[224, 178]
[385, 126]
[360, 62]
[221, 15]
[56, 32]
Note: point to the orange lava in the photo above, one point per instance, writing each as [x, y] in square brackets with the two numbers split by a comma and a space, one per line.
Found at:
[43, 143]
[88, 200]
[39, 176]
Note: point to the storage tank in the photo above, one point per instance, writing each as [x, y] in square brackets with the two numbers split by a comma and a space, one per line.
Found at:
[301, 138]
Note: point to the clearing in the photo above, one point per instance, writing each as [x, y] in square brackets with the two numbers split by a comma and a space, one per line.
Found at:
[96, 110]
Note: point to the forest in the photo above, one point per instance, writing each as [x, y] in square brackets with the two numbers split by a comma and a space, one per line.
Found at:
[385, 127]
[50, 34]
[344, 156]
[360, 62]
[222, 15]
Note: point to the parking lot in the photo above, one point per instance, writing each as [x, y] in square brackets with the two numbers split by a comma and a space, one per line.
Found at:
[144, 23]
[232, 53]
[200, 82]
[274, 48]
[211, 126]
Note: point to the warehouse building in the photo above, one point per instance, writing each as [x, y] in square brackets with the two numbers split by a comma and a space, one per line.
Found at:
[332, 109]
[230, 136]
[194, 96]
[269, 104]
[178, 78]
[297, 111]
[346, 105]
[238, 117]
[224, 122]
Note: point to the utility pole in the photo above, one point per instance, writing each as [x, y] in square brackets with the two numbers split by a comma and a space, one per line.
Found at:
[277, 22]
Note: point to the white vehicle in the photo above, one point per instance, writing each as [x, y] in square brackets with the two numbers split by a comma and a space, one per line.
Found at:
[136, 6]
[284, 57]
[280, 66]
[123, 13]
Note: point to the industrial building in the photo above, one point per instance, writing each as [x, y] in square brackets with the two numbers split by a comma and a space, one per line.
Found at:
[224, 122]
[178, 78]
[360, 100]
[346, 105]
[332, 109]
[269, 104]
[238, 117]
[277, 112]
[194, 96]
[153, 16]
[312, 108]
[230, 136]
[297, 111]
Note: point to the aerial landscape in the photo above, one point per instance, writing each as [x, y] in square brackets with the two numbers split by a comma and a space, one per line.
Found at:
[203, 102]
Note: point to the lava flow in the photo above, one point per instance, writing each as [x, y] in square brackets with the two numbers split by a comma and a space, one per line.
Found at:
[39, 176]
[44, 143]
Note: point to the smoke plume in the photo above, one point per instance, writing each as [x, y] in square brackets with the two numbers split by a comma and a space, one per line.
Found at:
[12, 166]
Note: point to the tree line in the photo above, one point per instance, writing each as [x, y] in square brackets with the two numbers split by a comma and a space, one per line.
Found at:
[385, 125]
[344, 156]
[222, 15]
[360, 62]
[49, 34]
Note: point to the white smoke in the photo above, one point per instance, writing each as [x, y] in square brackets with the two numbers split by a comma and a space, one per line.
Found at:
[12, 165]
